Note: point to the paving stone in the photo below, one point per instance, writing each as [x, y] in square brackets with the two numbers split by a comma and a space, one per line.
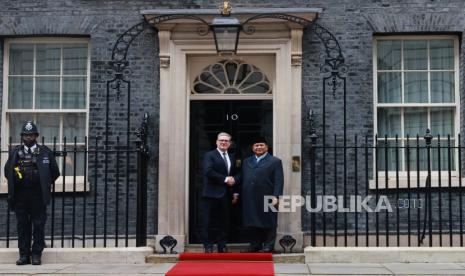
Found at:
[348, 269]
[28, 269]
[106, 268]
[158, 268]
[426, 268]
[298, 269]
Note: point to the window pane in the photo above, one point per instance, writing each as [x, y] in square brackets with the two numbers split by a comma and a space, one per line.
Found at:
[73, 160]
[390, 150]
[74, 92]
[442, 87]
[416, 87]
[218, 70]
[442, 54]
[74, 59]
[21, 59]
[412, 154]
[16, 121]
[389, 87]
[74, 125]
[415, 121]
[205, 89]
[231, 69]
[47, 92]
[259, 88]
[20, 92]
[389, 54]
[49, 127]
[415, 55]
[243, 71]
[48, 59]
[444, 157]
[208, 77]
[389, 122]
[442, 121]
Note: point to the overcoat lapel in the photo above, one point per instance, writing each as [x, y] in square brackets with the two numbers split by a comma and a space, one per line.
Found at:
[264, 161]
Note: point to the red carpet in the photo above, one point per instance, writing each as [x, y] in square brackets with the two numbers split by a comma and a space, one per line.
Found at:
[219, 264]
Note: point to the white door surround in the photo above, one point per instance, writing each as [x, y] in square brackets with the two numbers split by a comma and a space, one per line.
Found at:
[178, 41]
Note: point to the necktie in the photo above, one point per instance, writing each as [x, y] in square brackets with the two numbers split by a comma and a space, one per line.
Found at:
[225, 159]
[29, 150]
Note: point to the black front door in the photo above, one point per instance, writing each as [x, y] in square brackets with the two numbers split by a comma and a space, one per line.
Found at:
[244, 120]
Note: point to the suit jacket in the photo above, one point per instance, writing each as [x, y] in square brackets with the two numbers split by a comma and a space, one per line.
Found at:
[214, 174]
[261, 179]
[48, 173]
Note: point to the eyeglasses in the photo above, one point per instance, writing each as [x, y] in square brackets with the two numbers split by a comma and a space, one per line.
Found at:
[225, 141]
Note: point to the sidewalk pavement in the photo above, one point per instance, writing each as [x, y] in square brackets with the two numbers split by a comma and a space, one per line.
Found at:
[280, 269]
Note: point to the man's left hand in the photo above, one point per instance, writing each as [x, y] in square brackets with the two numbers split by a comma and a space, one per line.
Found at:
[235, 199]
[274, 201]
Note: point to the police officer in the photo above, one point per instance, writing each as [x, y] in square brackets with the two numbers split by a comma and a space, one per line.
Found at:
[30, 171]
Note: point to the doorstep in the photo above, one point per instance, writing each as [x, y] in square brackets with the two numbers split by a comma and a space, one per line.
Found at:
[294, 258]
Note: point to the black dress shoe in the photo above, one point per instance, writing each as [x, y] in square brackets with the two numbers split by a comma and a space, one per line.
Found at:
[208, 249]
[222, 249]
[251, 250]
[36, 260]
[23, 260]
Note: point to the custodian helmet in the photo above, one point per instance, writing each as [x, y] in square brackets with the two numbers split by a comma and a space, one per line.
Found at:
[29, 128]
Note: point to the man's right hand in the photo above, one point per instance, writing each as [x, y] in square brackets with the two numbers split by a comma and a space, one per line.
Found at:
[230, 181]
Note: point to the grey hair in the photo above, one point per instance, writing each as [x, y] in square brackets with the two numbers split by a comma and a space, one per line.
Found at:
[223, 134]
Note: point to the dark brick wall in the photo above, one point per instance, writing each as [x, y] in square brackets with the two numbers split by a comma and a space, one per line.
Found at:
[352, 22]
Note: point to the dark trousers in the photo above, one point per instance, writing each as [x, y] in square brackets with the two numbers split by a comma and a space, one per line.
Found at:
[262, 238]
[31, 217]
[217, 209]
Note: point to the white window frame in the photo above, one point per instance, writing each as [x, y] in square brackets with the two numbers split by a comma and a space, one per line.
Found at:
[391, 177]
[5, 109]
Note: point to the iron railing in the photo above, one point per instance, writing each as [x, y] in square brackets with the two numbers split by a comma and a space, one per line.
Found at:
[93, 204]
[388, 192]
[417, 183]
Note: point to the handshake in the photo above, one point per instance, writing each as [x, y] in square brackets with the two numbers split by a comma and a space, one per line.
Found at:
[230, 181]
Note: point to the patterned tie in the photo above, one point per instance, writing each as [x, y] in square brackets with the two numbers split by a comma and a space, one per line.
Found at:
[225, 161]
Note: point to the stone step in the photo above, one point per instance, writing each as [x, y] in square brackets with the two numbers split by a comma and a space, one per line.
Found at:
[384, 255]
[121, 255]
[235, 248]
[277, 258]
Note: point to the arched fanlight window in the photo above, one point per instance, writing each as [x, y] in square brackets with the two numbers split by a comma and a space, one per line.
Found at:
[231, 77]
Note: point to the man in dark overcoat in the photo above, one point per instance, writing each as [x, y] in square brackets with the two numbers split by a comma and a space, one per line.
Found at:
[262, 180]
[30, 170]
[218, 193]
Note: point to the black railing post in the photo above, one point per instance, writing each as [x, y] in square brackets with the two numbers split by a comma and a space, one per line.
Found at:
[313, 138]
[428, 138]
[142, 158]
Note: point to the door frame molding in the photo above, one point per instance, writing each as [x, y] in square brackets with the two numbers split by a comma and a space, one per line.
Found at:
[175, 47]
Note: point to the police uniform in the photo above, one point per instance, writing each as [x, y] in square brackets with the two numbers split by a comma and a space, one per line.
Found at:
[30, 171]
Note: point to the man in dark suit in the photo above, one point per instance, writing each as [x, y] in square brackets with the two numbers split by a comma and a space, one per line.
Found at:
[262, 179]
[217, 194]
[30, 170]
